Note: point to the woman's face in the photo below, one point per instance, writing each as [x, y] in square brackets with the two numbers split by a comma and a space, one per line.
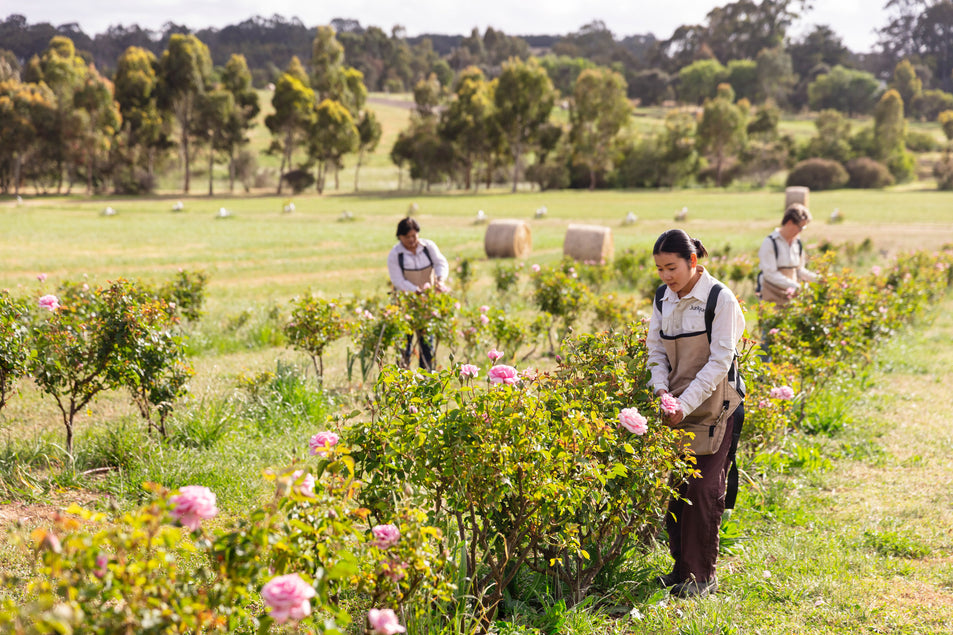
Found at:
[676, 272]
[409, 240]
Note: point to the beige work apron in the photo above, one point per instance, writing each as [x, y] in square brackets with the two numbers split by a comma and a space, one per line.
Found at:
[420, 277]
[687, 355]
[773, 293]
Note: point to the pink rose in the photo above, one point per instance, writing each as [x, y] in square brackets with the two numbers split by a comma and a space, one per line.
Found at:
[484, 308]
[763, 403]
[535, 268]
[670, 405]
[774, 331]
[395, 570]
[384, 622]
[287, 597]
[102, 560]
[631, 420]
[484, 320]
[412, 409]
[49, 302]
[875, 270]
[494, 354]
[782, 392]
[385, 536]
[41, 277]
[192, 505]
[469, 370]
[503, 374]
[305, 485]
[790, 291]
[322, 442]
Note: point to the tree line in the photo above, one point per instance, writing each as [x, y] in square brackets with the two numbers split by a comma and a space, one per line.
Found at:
[482, 109]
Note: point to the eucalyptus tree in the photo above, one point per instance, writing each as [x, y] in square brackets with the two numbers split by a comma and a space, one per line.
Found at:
[293, 101]
[600, 112]
[523, 98]
[186, 74]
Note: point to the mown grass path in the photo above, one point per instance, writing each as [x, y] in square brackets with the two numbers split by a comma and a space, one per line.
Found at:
[858, 538]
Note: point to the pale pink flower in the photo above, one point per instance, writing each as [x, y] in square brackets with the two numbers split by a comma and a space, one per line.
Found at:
[368, 315]
[49, 302]
[192, 505]
[41, 277]
[456, 305]
[782, 392]
[484, 320]
[670, 405]
[469, 370]
[484, 308]
[322, 442]
[384, 622]
[494, 354]
[774, 331]
[536, 268]
[395, 570]
[101, 561]
[435, 314]
[790, 291]
[304, 486]
[875, 270]
[631, 420]
[503, 374]
[287, 597]
[385, 536]
[412, 409]
[763, 403]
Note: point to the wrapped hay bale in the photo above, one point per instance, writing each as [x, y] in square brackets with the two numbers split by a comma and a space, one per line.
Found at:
[508, 239]
[796, 194]
[588, 243]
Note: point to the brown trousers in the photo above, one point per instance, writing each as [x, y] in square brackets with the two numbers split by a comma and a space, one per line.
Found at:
[694, 516]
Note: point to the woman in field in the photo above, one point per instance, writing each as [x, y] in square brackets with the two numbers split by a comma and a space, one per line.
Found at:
[415, 264]
[696, 325]
[782, 258]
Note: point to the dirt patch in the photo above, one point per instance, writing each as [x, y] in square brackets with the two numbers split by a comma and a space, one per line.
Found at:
[43, 514]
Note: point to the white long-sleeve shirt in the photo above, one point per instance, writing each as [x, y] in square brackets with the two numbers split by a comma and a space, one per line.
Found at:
[789, 255]
[687, 315]
[415, 260]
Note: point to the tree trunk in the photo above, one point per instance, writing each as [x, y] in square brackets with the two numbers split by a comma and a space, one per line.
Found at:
[231, 171]
[17, 165]
[211, 164]
[357, 169]
[185, 153]
[516, 167]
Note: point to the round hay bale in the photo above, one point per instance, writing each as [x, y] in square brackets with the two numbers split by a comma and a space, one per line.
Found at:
[796, 194]
[588, 243]
[508, 239]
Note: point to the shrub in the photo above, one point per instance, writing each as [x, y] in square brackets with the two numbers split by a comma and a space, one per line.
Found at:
[865, 173]
[943, 171]
[548, 176]
[536, 474]
[818, 174]
[14, 343]
[299, 180]
[315, 323]
[917, 141]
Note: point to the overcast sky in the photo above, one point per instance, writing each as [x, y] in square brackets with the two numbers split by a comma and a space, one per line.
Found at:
[853, 20]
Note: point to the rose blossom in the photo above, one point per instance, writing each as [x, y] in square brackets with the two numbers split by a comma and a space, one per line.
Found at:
[385, 536]
[49, 302]
[484, 308]
[41, 277]
[782, 392]
[875, 270]
[287, 596]
[469, 370]
[484, 320]
[192, 505]
[502, 374]
[322, 442]
[384, 622]
[494, 354]
[670, 405]
[631, 420]
[774, 331]
[536, 268]
[306, 486]
[102, 560]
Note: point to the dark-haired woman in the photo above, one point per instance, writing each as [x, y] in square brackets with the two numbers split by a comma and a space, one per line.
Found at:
[692, 359]
[414, 265]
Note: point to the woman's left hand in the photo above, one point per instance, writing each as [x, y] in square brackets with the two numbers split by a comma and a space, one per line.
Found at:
[675, 418]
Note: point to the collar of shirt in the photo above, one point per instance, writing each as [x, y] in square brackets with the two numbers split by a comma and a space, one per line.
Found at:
[420, 248]
[699, 292]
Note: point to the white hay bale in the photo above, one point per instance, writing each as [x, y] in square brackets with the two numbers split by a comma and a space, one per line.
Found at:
[796, 194]
[178, 207]
[289, 207]
[223, 213]
[588, 243]
[108, 212]
[630, 219]
[540, 212]
[836, 217]
[508, 239]
[682, 216]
